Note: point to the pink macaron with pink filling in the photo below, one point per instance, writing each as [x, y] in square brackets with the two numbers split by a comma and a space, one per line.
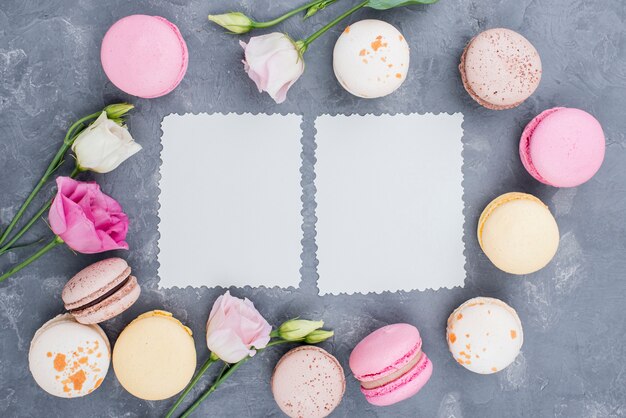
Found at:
[390, 364]
[562, 147]
[145, 56]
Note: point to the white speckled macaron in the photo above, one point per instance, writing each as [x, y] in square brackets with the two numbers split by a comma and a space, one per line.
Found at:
[484, 335]
[371, 59]
[68, 359]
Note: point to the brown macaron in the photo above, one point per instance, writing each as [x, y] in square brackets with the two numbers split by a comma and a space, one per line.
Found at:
[500, 69]
[101, 291]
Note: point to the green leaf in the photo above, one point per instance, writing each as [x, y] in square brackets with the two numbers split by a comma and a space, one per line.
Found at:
[317, 7]
[390, 4]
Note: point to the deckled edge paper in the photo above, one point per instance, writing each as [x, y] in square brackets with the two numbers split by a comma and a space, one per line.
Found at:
[389, 202]
[230, 200]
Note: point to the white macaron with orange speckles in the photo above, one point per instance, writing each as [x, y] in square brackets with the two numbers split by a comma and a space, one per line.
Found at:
[68, 359]
[371, 59]
[484, 335]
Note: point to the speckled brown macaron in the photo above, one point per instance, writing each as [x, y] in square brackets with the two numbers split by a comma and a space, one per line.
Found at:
[101, 291]
[500, 69]
[308, 382]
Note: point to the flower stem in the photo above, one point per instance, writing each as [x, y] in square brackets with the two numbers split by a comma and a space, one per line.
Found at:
[260, 25]
[191, 384]
[226, 372]
[9, 245]
[55, 242]
[320, 32]
[54, 164]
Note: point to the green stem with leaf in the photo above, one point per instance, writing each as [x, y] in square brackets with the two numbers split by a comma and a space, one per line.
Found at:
[54, 164]
[304, 44]
[56, 241]
[269, 23]
[9, 245]
[227, 370]
[212, 359]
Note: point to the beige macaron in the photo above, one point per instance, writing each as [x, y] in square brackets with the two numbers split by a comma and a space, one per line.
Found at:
[154, 357]
[518, 233]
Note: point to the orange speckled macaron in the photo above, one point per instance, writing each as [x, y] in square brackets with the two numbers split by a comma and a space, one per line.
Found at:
[68, 359]
[484, 335]
[500, 69]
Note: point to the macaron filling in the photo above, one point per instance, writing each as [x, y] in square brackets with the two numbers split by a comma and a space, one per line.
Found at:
[105, 296]
[414, 353]
[372, 384]
[420, 367]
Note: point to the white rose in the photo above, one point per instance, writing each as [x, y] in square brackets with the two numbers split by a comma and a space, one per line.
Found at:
[103, 146]
[274, 63]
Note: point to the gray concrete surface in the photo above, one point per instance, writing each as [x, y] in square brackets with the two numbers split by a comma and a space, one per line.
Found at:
[572, 364]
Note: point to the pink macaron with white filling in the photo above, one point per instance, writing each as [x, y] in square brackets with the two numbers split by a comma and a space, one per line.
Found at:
[562, 147]
[101, 291]
[390, 364]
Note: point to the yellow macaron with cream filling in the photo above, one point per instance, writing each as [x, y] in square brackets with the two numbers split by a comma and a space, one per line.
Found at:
[518, 233]
[154, 357]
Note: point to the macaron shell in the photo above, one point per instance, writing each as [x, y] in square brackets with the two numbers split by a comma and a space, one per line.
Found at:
[154, 357]
[145, 56]
[404, 387]
[112, 306]
[518, 233]
[384, 351]
[500, 68]
[308, 382]
[524, 145]
[371, 58]
[563, 147]
[68, 359]
[94, 281]
[484, 335]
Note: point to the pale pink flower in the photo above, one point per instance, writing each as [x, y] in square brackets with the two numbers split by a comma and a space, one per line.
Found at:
[235, 329]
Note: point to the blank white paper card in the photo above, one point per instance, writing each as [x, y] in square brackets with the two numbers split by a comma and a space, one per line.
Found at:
[230, 201]
[389, 202]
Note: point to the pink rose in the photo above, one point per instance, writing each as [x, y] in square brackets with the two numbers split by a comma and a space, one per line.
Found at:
[235, 329]
[86, 219]
[274, 63]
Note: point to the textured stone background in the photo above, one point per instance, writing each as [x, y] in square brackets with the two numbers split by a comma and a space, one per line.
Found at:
[572, 362]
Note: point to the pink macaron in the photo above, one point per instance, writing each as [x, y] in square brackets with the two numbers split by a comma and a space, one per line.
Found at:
[101, 291]
[562, 147]
[390, 364]
[145, 56]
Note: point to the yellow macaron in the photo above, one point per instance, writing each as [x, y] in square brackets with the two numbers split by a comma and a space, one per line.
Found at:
[518, 233]
[154, 357]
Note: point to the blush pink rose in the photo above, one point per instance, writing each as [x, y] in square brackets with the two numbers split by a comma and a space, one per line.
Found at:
[274, 63]
[236, 329]
[86, 219]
